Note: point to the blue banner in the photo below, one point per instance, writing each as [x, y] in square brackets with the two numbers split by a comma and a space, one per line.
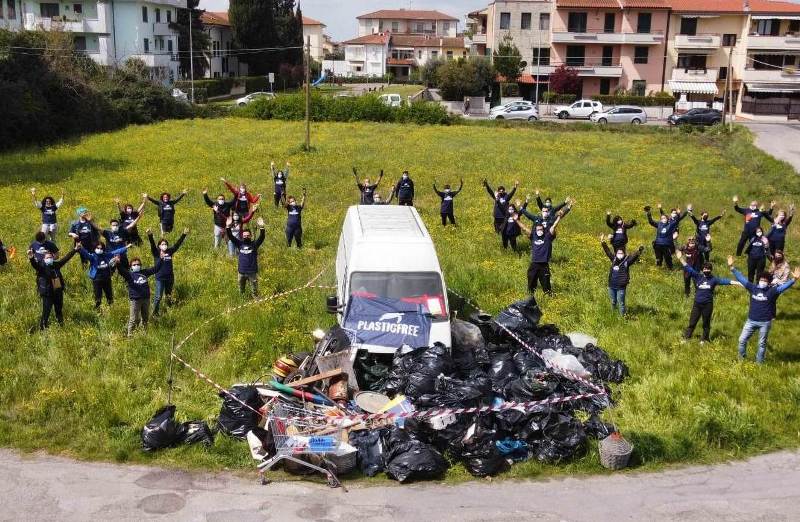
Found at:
[387, 322]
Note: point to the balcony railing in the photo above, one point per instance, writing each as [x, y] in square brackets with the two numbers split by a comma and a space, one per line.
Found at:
[787, 74]
[788, 42]
[161, 29]
[698, 41]
[651, 38]
[694, 75]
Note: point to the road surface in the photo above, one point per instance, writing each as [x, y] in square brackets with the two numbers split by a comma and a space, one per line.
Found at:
[50, 488]
[781, 140]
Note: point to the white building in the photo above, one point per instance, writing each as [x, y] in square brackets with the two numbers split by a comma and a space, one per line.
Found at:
[109, 32]
[221, 62]
[367, 55]
[314, 29]
[408, 21]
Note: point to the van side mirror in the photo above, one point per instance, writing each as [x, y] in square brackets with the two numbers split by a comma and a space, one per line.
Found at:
[332, 304]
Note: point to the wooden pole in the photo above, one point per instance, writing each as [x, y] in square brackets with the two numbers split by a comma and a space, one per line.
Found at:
[308, 92]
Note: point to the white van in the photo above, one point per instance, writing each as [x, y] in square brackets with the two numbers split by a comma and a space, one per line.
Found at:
[385, 251]
[392, 100]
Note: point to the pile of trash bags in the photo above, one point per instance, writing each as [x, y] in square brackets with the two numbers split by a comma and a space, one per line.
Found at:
[163, 431]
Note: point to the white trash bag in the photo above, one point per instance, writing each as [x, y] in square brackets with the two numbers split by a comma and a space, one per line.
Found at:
[561, 361]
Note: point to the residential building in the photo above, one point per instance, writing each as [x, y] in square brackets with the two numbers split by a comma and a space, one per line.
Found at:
[329, 47]
[222, 63]
[367, 55]
[314, 29]
[109, 32]
[407, 21]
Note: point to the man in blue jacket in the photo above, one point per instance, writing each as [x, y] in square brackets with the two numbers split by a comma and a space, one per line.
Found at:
[705, 284]
[248, 256]
[752, 220]
[405, 190]
[762, 308]
[100, 267]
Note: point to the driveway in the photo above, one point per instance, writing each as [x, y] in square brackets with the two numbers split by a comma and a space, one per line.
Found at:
[49, 488]
[779, 139]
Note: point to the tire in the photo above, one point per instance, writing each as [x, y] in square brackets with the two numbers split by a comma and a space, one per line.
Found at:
[636, 121]
[499, 118]
[602, 121]
[563, 115]
[242, 104]
[592, 114]
[532, 118]
[715, 122]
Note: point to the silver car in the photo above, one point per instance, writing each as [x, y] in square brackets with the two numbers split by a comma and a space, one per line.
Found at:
[621, 114]
[517, 112]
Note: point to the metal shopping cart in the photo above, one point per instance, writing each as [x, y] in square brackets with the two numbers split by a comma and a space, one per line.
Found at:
[297, 431]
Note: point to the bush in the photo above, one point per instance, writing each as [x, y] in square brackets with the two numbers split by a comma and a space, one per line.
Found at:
[552, 97]
[661, 99]
[509, 89]
[256, 83]
[213, 87]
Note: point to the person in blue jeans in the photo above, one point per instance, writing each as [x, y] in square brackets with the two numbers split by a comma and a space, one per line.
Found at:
[762, 308]
[619, 274]
[165, 276]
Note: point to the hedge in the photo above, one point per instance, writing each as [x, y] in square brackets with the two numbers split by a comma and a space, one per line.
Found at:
[554, 97]
[657, 100]
[344, 109]
[213, 87]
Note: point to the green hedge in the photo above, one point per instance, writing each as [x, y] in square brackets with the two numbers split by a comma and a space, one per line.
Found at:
[257, 83]
[346, 109]
[213, 87]
[509, 89]
[656, 100]
[553, 97]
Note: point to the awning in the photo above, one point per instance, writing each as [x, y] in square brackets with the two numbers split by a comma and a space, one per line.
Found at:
[677, 86]
[773, 87]
[778, 16]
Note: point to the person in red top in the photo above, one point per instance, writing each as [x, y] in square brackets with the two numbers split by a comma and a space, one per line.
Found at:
[243, 197]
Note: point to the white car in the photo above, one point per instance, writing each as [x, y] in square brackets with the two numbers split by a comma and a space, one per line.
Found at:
[509, 105]
[579, 109]
[517, 112]
[241, 102]
[180, 95]
[392, 100]
[621, 114]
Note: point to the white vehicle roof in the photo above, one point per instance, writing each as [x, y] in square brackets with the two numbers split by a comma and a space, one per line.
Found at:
[388, 238]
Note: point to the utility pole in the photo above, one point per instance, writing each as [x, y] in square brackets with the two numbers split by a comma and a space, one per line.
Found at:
[307, 56]
[726, 95]
[538, 61]
[191, 56]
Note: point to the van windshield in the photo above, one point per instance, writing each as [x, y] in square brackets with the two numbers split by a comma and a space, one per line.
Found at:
[423, 288]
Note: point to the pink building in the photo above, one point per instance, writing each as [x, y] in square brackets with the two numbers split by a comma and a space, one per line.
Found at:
[614, 44]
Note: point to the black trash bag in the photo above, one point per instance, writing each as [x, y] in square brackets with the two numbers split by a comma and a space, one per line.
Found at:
[161, 431]
[372, 371]
[484, 321]
[520, 318]
[509, 423]
[599, 363]
[553, 342]
[594, 427]
[397, 378]
[502, 371]
[415, 373]
[197, 432]
[453, 392]
[235, 420]
[411, 459]
[524, 361]
[560, 437]
[530, 386]
[547, 329]
[478, 452]
[370, 451]
[467, 339]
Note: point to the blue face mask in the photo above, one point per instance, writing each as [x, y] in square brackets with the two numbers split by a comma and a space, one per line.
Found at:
[48, 261]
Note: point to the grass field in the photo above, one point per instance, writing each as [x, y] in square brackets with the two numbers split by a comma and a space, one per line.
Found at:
[86, 391]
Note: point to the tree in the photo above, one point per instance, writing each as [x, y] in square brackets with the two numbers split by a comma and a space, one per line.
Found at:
[459, 78]
[273, 27]
[201, 42]
[428, 72]
[564, 80]
[508, 60]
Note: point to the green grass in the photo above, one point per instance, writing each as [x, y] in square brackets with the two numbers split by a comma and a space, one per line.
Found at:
[85, 390]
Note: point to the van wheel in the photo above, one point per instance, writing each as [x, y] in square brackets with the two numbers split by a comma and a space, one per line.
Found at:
[242, 104]
[636, 121]
[602, 121]
[563, 115]
[499, 118]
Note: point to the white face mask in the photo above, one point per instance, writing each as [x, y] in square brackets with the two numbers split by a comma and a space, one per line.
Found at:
[163, 247]
[241, 190]
[620, 256]
[220, 201]
[753, 207]
[447, 190]
[135, 268]
[48, 261]
[763, 284]
[291, 203]
[129, 211]
[540, 233]
[759, 234]
[98, 250]
[114, 228]
[405, 176]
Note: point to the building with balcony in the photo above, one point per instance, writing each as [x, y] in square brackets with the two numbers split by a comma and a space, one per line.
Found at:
[222, 63]
[314, 29]
[367, 55]
[408, 21]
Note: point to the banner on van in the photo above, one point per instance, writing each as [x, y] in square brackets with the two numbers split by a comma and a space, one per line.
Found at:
[387, 322]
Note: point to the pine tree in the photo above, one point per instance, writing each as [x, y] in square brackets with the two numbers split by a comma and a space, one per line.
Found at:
[200, 40]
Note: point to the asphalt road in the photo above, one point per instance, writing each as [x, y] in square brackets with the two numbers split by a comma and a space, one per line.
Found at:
[781, 140]
[49, 488]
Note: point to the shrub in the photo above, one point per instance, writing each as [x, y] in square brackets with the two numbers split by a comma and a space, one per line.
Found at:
[509, 89]
[256, 83]
[552, 97]
[661, 99]
[213, 87]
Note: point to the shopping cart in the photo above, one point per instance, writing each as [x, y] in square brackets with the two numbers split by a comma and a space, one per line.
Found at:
[297, 431]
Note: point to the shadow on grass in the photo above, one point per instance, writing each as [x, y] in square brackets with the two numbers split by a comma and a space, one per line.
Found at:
[47, 170]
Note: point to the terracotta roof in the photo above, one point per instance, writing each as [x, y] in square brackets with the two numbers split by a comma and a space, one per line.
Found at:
[407, 14]
[770, 6]
[423, 41]
[215, 18]
[708, 6]
[307, 20]
[602, 4]
[377, 39]
[646, 4]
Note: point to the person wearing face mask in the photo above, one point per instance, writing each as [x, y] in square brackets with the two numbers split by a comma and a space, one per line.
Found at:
[100, 265]
[664, 243]
[166, 210]
[405, 190]
[248, 256]
[541, 252]
[511, 230]
[116, 237]
[705, 284]
[84, 232]
[129, 218]
[763, 299]
[619, 235]
[703, 229]
[779, 268]
[41, 245]
[548, 203]
[619, 275]
[777, 233]
[280, 179]
[501, 202]
[235, 222]
[243, 199]
[294, 220]
[446, 208]
[378, 200]
[366, 189]
[138, 291]
[48, 207]
[50, 284]
[757, 251]
[222, 211]
[693, 256]
[165, 276]
[752, 221]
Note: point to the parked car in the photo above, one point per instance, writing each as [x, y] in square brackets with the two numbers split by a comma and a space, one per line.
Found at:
[579, 109]
[517, 112]
[696, 117]
[621, 114]
[392, 100]
[179, 95]
[509, 105]
[241, 102]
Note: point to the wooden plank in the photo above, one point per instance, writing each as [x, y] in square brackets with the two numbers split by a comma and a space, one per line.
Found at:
[315, 378]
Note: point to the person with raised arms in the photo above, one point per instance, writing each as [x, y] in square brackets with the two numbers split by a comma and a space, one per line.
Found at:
[705, 284]
[49, 208]
[752, 221]
[248, 256]
[501, 201]
[619, 274]
[166, 209]
[50, 284]
[367, 189]
[165, 276]
[447, 195]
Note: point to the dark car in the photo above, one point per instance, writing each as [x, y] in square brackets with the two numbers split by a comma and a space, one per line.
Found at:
[696, 117]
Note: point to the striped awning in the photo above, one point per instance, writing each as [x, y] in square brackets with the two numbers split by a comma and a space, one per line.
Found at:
[784, 88]
[677, 86]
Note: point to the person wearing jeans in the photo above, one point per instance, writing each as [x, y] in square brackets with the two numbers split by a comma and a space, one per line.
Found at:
[248, 256]
[165, 276]
[619, 273]
[763, 298]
